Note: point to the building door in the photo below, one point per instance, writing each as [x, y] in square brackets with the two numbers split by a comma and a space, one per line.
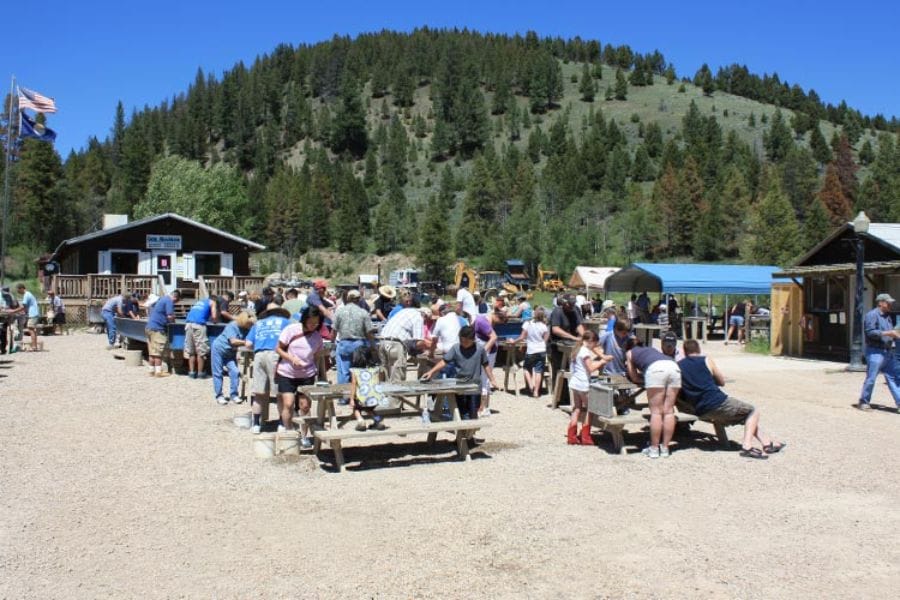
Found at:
[164, 266]
[787, 319]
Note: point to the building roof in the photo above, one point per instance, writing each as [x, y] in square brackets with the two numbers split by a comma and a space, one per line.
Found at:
[591, 277]
[104, 232]
[884, 234]
[693, 279]
[886, 266]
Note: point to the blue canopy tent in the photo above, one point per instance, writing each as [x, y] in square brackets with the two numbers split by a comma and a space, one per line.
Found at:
[694, 279]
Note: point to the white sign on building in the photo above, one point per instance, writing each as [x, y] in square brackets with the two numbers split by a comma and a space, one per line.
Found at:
[163, 242]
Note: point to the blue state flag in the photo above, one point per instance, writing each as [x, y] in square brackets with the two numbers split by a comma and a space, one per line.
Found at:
[32, 129]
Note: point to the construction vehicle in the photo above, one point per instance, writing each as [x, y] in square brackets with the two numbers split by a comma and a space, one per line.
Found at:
[404, 278]
[516, 276]
[549, 281]
[465, 277]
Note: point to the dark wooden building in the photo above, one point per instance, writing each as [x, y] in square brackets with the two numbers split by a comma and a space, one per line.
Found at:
[813, 316]
[150, 255]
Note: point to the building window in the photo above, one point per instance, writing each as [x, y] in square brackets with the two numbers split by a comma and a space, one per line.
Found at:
[818, 294]
[837, 293]
[208, 264]
[123, 262]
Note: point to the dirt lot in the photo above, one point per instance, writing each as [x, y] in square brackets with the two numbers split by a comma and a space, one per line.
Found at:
[114, 484]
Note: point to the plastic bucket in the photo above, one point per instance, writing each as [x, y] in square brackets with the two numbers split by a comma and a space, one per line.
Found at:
[134, 358]
[287, 444]
[264, 445]
[242, 420]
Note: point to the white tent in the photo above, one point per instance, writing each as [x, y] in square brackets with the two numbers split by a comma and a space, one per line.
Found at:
[590, 278]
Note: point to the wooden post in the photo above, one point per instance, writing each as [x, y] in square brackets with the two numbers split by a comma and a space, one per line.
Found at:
[122, 284]
[90, 286]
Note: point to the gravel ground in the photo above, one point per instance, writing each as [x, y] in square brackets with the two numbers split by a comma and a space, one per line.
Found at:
[113, 484]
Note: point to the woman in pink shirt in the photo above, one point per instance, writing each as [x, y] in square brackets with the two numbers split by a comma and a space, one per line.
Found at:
[298, 348]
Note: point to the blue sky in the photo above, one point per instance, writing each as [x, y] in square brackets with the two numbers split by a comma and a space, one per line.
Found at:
[88, 55]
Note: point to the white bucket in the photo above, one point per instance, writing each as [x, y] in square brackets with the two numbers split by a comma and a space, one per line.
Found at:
[242, 420]
[134, 358]
[264, 445]
[287, 443]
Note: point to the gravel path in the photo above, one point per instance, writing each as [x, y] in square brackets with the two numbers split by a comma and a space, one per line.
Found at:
[115, 484]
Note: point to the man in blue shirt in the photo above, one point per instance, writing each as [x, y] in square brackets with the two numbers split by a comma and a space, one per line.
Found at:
[30, 314]
[196, 340]
[880, 335]
[263, 339]
[114, 307]
[161, 315]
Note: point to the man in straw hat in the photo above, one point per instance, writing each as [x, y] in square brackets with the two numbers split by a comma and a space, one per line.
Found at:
[263, 339]
[385, 302]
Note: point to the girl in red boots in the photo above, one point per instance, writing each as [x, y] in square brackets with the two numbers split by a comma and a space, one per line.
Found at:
[587, 359]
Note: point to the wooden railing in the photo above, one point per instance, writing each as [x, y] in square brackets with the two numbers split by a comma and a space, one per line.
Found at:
[102, 286]
[217, 284]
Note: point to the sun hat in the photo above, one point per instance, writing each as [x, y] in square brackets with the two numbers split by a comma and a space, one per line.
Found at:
[353, 295]
[242, 294]
[607, 304]
[388, 291]
[884, 298]
[275, 309]
[243, 319]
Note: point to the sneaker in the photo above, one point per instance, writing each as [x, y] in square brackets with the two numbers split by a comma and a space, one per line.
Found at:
[255, 429]
[163, 374]
[379, 425]
[306, 443]
[192, 375]
[663, 452]
[651, 451]
[110, 347]
[237, 399]
[221, 400]
[203, 376]
[281, 428]
[864, 406]
[361, 426]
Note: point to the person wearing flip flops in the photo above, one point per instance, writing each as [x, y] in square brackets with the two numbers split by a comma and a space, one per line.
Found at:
[700, 381]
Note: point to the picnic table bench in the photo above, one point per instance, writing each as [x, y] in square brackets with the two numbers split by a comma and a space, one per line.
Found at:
[405, 418]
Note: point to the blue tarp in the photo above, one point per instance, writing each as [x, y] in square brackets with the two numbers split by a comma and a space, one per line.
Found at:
[694, 279]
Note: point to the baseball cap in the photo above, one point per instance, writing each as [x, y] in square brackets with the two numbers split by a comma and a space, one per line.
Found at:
[669, 339]
[884, 298]
[353, 295]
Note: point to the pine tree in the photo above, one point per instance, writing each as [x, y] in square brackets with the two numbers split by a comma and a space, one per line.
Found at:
[819, 146]
[33, 213]
[709, 243]
[597, 71]
[663, 206]
[440, 140]
[348, 128]
[502, 97]
[704, 79]
[774, 235]
[470, 120]
[482, 196]
[447, 191]
[777, 140]
[736, 199]
[833, 198]
[846, 169]
[587, 88]
[653, 139]
[816, 226]
[799, 178]
[642, 167]
[433, 250]
[621, 86]
[866, 153]
[370, 178]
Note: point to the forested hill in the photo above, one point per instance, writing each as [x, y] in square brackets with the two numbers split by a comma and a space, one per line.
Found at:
[453, 143]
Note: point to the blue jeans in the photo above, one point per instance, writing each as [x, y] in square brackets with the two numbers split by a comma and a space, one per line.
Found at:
[468, 406]
[110, 319]
[221, 361]
[345, 350]
[880, 361]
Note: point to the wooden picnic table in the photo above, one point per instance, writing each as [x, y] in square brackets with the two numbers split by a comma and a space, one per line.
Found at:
[406, 418]
[511, 350]
[565, 347]
[646, 332]
[695, 328]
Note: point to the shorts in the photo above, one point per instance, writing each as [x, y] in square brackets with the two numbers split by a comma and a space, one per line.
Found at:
[196, 342]
[535, 362]
[289, 385]
[663, 373]
[579, 399]
[730, 412]
[156, 342]
[59, 319]
[264, 364]
[32, 323]
[736, 320]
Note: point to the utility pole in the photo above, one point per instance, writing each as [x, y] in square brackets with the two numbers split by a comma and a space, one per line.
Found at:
[6, 170]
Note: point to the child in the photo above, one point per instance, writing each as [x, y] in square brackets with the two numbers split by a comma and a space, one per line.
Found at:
[585, 362]
[535, 334]
[470, 360]
[365, 388]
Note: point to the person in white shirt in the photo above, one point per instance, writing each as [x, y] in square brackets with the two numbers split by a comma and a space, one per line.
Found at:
[535, 333]
[465, 302]
[445, 333]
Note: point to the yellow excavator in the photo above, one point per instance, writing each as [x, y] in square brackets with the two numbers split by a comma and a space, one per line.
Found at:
[549, 281]
[465, 277]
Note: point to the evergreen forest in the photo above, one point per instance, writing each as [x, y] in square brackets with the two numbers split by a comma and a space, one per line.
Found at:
[450, 143]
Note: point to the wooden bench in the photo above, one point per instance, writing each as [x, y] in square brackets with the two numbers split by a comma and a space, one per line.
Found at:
[334, 437]
[616, 425]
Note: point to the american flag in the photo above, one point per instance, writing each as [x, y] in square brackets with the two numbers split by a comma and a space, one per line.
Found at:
[35, 101]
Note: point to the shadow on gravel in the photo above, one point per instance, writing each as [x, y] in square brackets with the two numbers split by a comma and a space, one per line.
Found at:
[391, 455]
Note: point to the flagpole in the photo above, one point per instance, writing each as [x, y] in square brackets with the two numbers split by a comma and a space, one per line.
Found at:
[6, 170]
